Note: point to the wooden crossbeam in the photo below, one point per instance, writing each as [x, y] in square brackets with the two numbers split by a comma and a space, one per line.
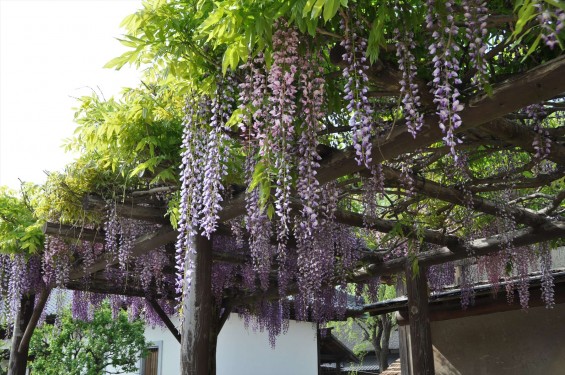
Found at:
[538, 84]
[142, 245]
[478, 247]
[164, 318]
[522, 137]
[386, 226]
[449, 194]
[68, 231]
[137, 212]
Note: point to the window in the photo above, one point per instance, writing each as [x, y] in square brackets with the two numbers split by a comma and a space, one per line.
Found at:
[151, 364]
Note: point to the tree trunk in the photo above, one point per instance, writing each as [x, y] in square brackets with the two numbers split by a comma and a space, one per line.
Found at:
[18, 358]
[196, 358]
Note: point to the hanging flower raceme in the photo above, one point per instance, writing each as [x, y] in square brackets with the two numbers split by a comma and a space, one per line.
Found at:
[282, 82]
[356, 90]
[111, 228]
[444, 50]
[312, 100]
[551, 20]
[56, 261]
[260, 231]
[191, 187]
[216, 156]
[476, 14]
[408, 87]
[542, 143]
[441, 276]
[468, 278]
[547, 284]
[523, 259]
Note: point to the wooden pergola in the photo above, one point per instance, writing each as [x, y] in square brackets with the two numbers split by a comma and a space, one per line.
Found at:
[486, 120]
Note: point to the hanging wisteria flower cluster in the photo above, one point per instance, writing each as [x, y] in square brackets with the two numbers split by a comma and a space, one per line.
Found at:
[282, 82]
[56, 261]
[444, 51]
[204, 164]
[476, 14]
[551, 20]
[356, 90]
[19, 276]
[545, 261]
[542, 142]
[441, 276]
[408, 87]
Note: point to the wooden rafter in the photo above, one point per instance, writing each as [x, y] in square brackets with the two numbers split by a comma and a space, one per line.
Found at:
[538, 84]
[142, 245]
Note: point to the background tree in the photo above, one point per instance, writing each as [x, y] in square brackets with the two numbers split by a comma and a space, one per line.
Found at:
[88, 348]
[369, 331]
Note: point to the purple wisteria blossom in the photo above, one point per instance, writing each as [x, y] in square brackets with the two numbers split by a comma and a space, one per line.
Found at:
[444, 52]
[476, 14]
[356, 91]
[409, 91]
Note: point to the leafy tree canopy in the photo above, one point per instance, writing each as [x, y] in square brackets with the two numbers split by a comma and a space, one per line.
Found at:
[77, 347]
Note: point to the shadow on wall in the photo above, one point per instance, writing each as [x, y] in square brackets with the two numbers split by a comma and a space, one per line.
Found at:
[442, 365]
[507, 343]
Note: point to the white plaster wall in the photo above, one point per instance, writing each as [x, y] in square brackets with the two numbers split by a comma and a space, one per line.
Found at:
[244, 352]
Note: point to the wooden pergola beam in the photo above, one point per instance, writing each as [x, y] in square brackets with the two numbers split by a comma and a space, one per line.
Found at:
[141, 246]
[386, 226]
[456, 196]
[136, 212]
[533, 86]
[478, 247]
[73, 232]
[164, 318]
[522, 137]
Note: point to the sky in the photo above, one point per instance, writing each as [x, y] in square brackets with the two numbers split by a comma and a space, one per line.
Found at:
[51, 52]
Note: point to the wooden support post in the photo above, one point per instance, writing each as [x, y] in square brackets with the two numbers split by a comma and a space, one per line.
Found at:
[213, 339]
[197, 309]
[18, 359]
[403, 333]
[34, 319]
[164, 318]
[420, 333]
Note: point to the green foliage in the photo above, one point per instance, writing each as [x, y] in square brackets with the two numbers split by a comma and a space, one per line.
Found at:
[364, 329]
[20, 231]
[137, 137]
[87, 348]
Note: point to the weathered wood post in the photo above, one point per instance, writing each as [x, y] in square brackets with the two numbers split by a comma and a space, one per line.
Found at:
[420, 332]
[403, 331]
[18, 359]
[196, 358]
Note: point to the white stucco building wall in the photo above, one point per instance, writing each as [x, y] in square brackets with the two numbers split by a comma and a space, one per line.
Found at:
[244, 352]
